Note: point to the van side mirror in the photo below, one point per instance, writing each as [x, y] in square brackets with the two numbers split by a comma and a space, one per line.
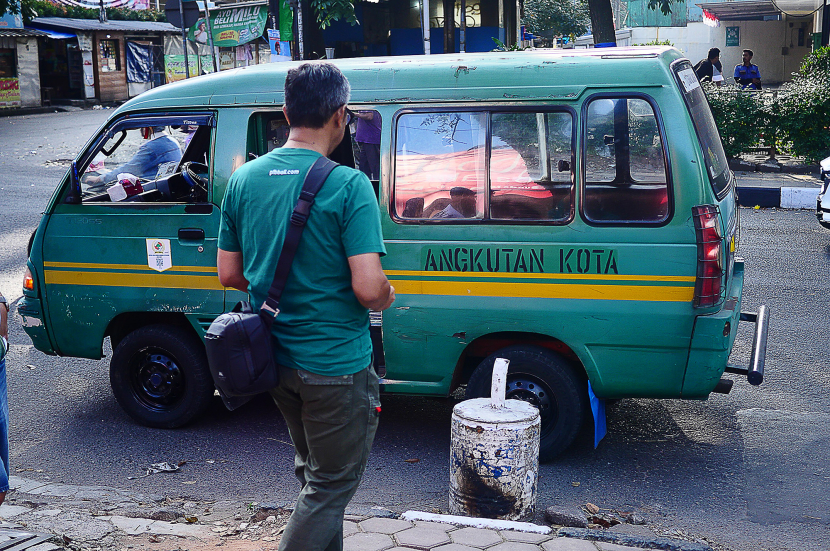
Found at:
[74, 196]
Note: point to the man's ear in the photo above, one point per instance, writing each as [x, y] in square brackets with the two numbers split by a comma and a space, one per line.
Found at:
[285, 112]
[339, 116]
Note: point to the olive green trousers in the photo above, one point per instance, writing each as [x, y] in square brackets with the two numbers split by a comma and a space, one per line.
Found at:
[332, 422]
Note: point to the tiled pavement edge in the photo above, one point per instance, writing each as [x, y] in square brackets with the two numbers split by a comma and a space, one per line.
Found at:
[97, 518]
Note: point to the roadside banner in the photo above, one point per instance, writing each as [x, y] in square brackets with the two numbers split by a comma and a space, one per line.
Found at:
[9, 92]
[231, 27]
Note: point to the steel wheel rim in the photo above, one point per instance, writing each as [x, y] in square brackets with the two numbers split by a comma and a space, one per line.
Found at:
[156, 380]
[524, 387]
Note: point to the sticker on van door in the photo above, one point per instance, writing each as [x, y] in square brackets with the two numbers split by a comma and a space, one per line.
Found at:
[689, 79]
[158, 254]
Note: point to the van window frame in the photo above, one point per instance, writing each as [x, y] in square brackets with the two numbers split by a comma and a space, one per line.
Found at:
[730, 180]
[666, 161]
[131, 121]
[490, 110]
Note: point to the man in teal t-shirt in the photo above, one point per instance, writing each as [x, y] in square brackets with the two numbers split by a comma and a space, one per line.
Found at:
[328, 392]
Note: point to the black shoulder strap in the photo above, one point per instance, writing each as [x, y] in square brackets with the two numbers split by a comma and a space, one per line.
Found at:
[314, 180]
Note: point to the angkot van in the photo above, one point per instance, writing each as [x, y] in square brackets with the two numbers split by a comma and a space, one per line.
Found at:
[570, 211]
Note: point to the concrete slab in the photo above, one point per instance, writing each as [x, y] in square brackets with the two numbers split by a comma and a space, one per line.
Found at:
[135, 526]
[25, 485]
[799, 197]
[437, 525]
[384, 525]
[422, 537]
[514, 546]
[476, 537]
[349, 528]
[477, 522]
[526, 537]
[45, 546]
[11, 511]
[455, 547]
[368, 542]
[568, 544]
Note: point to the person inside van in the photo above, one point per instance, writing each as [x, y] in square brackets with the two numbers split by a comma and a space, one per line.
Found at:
[158, 148]
[462, 204]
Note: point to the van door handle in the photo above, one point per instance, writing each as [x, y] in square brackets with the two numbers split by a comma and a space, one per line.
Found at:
[191, 234]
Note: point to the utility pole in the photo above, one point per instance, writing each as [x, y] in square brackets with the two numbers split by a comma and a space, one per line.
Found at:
[184, 39]
[102, 12]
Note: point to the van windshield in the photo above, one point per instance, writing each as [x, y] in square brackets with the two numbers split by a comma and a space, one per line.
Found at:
[707, 131]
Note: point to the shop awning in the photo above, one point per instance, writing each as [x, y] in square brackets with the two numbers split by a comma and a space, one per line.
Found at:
[741, 11]
[21, 32]
[56, 35]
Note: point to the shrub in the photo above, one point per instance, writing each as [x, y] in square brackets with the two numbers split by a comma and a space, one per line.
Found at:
[739, 115]
[803, 116]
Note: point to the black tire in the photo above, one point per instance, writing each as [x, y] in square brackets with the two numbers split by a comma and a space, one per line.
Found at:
[546, 380]
[159, 375]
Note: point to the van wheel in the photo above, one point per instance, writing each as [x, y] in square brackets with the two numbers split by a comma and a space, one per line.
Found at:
[546, 380]
[160, 377]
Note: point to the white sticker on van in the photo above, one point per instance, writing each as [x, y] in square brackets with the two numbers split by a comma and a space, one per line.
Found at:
[158, 254]
[689, 79]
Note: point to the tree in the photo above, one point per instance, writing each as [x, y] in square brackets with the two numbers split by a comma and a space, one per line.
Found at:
[563, 17]
[602, 18]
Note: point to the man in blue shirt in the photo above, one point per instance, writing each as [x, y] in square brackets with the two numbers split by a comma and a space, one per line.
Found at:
[158, 148]
[748, 75]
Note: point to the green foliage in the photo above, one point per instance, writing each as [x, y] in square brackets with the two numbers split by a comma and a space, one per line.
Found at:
[656, 42]
[563, 17]
[502, 47]
[739, 115]
[333, 10]
[44, 8]
[665, 5]
[803, 115]
[817, 61]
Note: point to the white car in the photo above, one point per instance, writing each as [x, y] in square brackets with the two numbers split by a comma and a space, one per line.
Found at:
[823, 200]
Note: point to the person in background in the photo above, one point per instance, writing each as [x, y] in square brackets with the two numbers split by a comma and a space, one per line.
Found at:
[710, 69]
[367, 137]
[4, 401]
[328, 392]
[747, 75]
[462, 204]
[158, 148]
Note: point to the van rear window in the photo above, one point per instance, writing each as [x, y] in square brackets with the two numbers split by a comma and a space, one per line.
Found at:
[473, 166]
[707, 132]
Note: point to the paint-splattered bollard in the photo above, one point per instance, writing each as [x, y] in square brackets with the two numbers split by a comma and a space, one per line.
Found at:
[494, 456]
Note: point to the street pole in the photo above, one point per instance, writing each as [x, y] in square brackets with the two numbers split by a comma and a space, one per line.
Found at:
[184, 39]
[425, 25]
[210, 38]
[462, 42]
[300, 47]
[102, 12]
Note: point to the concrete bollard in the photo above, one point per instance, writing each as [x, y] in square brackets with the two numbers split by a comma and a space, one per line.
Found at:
[494, 455]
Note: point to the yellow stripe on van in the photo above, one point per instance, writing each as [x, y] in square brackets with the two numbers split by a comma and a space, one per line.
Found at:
[115, 279]
[650, 293]
[50, 264]
[511, 275]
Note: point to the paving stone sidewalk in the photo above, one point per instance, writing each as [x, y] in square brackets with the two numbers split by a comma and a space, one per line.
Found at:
[92, 518]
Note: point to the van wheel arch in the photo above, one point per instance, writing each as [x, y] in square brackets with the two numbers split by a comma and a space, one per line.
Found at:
[125, 323]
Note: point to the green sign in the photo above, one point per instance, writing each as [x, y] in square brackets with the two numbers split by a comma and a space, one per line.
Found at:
[733, 36]
[231, 27]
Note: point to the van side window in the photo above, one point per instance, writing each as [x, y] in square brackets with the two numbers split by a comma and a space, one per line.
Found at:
[153, 160]
[625, 170]
[530, 166]
[440, 165]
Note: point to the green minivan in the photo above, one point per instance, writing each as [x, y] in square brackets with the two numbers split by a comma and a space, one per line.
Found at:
[569, 210]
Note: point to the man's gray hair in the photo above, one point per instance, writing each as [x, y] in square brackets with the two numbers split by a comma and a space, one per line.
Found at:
[313, 92]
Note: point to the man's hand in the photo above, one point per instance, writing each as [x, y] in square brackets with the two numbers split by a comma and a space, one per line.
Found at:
[369, 283]
[4, 321]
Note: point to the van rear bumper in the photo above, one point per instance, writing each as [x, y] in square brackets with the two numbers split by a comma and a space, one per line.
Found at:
[31, 311]
[757, 358]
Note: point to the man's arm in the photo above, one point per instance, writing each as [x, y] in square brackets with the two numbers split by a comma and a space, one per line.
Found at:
[369, 283]
[4, 332]
[229, 266]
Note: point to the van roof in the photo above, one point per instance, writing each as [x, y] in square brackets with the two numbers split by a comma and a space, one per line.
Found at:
[534, 74]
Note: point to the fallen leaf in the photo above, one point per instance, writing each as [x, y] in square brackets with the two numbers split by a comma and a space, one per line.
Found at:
[191, 520]
[154, 539]
[591, 508]
[574, 484]
[189, 482]
[411, 460]
[182, 463]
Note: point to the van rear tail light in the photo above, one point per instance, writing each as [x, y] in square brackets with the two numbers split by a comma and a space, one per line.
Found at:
[709, 282]
[28, 281]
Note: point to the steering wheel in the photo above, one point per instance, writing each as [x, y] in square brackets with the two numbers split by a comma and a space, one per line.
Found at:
[196, 175]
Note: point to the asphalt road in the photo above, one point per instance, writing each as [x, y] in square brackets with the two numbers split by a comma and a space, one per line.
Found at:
[746, 471]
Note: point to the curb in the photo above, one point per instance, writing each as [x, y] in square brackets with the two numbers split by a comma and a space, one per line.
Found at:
[664, 544]
[783, 198]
